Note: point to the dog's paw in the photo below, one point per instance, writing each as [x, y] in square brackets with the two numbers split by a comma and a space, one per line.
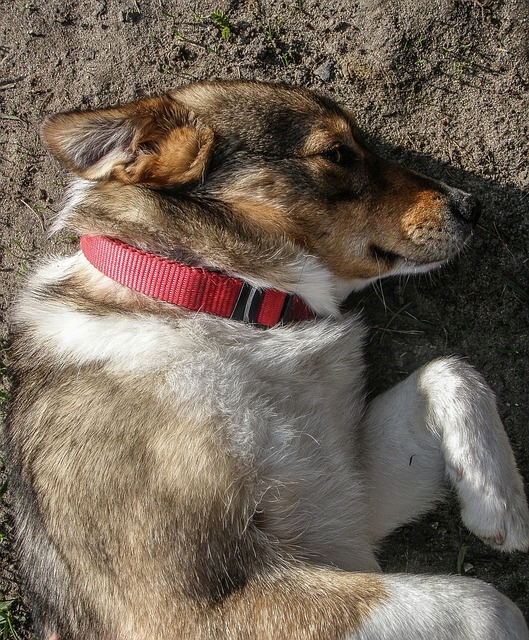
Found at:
[499, 516]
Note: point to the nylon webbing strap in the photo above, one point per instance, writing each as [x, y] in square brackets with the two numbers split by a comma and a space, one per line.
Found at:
[191, 287]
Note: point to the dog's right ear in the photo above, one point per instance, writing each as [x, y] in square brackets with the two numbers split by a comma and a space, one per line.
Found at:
[154, 141]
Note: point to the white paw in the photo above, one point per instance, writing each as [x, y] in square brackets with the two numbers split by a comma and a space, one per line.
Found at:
[498, 514]
[479, 461]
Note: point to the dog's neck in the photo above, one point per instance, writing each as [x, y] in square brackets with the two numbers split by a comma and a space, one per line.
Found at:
[192, 288]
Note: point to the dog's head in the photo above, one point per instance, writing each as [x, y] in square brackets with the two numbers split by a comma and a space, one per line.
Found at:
[264, 181]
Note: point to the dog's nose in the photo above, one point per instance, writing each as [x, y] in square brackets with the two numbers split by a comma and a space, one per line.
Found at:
[466, 207]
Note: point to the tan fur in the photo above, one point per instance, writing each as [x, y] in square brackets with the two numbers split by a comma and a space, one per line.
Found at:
[177, 475]
[341, 232]
[294, 603]
[158, 155]
[193, 478]
[165, 168]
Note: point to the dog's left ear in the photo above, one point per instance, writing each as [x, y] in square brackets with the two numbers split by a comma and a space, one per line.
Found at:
[154, 141]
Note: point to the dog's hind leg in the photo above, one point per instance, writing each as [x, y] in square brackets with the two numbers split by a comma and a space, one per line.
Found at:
[442, 422]
[301, 602]
[442, 608]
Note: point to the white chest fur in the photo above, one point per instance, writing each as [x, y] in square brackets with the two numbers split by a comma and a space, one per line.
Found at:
[287, 399]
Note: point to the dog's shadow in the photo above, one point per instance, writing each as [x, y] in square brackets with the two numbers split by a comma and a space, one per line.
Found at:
[476, 308]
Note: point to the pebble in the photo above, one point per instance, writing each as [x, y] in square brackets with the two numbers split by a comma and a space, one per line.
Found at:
[324, 71]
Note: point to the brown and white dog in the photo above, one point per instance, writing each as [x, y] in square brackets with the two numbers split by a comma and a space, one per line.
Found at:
[190, 449]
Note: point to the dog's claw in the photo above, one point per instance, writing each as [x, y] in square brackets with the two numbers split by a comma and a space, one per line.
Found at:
[456, 473]
[504, 526]
[498, 539]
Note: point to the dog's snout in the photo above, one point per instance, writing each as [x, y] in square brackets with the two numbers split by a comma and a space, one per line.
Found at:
[466, 207]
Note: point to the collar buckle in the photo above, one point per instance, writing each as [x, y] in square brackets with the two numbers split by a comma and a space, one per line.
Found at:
[248, 304]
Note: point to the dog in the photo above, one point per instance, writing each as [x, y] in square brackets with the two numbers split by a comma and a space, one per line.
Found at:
[191, 452]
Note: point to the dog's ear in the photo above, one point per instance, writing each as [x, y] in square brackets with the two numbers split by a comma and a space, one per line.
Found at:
[154, 141]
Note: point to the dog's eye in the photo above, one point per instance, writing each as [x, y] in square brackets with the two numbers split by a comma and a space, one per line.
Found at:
[340, 154]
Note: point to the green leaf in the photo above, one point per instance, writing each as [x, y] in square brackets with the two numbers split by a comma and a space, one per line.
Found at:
[4, 606]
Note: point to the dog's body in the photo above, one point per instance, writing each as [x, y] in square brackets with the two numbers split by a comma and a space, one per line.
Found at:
[184, 475]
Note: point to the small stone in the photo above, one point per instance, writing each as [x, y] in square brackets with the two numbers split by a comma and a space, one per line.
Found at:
[324, 71]
[523, 179]
[130, 15]
[100, 9]
[467, 566]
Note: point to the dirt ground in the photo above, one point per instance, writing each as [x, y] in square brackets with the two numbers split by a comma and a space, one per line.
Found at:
[440, 85]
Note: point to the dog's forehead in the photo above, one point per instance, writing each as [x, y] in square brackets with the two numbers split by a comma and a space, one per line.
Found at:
[287, 117]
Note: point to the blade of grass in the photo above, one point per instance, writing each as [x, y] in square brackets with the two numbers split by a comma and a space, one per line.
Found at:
[515, 287]
[461, 558]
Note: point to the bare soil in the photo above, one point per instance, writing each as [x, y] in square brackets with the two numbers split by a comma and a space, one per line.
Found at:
[439, 85]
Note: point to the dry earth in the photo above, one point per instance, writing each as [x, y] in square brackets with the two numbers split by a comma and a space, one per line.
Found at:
[439, 85]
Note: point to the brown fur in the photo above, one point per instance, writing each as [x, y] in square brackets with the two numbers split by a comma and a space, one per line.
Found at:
[137, 520]
[217, 579]
[339, 212]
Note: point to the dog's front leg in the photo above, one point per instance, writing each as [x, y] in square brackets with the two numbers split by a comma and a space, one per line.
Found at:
[442, 422]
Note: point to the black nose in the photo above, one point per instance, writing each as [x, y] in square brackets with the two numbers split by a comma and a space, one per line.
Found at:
[466, 208]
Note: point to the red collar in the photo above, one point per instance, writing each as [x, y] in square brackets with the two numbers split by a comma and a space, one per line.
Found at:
[190, 287]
